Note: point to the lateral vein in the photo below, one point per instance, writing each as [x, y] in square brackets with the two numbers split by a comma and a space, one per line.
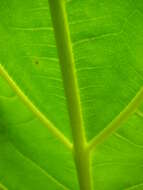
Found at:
[3, 187]
[120, 119]
[59, 135]
[135, 186]
[45, 172]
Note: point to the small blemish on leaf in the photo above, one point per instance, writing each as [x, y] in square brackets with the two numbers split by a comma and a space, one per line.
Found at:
[36, 62]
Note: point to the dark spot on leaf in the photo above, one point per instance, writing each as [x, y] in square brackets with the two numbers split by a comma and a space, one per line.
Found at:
[36, 62]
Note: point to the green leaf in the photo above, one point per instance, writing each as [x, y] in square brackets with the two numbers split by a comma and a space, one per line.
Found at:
[71, 111]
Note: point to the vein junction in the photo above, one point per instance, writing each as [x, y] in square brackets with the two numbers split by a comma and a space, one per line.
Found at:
[124, 115]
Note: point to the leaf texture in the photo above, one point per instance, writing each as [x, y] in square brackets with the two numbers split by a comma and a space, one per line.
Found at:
[107, 44]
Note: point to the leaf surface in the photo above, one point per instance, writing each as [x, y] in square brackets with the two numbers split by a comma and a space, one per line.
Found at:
[107, 44]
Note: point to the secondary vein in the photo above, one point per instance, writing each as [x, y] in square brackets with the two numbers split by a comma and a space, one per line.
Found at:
[45, 172]
[118, 121]
[34, 109]
[3, 187]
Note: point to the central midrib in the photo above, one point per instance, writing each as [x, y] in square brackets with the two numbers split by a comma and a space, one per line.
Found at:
[66, 58]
